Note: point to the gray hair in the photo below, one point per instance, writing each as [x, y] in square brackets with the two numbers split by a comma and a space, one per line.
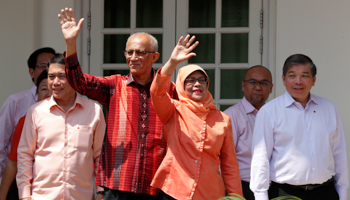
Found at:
[154, 42]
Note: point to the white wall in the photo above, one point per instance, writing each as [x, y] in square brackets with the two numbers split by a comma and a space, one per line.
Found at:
[321, 30]
[26, 26]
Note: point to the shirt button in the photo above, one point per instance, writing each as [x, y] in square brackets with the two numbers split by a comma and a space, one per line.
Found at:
[196, 161]
[197, 146]
[313, 169]
[203, 137]
[200, 132]
[310, 139]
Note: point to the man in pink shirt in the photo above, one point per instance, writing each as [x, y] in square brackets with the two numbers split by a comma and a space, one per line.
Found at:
[61, 142]
[257, 86]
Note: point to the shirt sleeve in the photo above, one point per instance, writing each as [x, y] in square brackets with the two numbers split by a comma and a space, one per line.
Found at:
[15, 139]
[340, 161]
[96, 88]
[161, 100]
[229, 165]
[234, 124]
[99, 134]
[26, 150]
[262, 146]
[7, 125]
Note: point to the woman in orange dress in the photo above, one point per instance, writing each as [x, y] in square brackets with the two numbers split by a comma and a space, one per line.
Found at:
[199, 136]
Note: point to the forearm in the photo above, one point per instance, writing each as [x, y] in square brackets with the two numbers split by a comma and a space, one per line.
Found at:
[71, 47]
[169, 68]
[8, 177]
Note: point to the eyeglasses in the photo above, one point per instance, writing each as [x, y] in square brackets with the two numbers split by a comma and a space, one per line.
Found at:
[254, 83]
[138, 53]
[41, 66]
[192, 81]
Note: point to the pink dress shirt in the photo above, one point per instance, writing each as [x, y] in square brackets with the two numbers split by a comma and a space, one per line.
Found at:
[243, 118]
[57, 151]
[15, 107]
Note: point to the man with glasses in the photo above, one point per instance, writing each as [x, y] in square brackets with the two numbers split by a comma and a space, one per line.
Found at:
[257, 86]
[17, 105]
[134, 144]
[298, 141]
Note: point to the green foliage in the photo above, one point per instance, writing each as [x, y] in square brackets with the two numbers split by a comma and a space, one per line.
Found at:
[233, 196]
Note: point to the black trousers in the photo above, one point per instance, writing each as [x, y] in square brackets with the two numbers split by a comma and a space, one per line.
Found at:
[13, 192]
[247, 193]
[326, 192]
[121, 195]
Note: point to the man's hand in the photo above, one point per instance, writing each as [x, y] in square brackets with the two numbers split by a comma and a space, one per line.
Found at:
[99, 197]
[70, 29]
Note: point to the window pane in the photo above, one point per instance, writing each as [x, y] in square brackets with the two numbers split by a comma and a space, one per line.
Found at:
[211, 74]
[205, 50]
[149, 13]
[117, 14]
[234, 48]
[224, 107]
[113, 47]
[235, 13]
[231, 83]
[201, 13]
[159, 38]
[115, 71]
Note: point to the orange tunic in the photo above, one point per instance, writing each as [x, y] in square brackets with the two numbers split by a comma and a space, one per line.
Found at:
[196, 149]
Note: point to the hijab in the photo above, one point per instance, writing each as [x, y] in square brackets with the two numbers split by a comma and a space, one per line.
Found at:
[201, 109]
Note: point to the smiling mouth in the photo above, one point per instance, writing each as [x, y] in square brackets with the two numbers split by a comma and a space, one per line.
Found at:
[197, 91]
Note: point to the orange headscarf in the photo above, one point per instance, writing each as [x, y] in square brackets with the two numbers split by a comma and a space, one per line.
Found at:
[201, 109]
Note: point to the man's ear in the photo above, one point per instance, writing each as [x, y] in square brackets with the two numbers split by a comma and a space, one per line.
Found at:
[31, 72]
[155, 57]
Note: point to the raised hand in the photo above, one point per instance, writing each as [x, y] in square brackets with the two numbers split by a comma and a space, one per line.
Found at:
[70, 28]
[182, 50]
[181, 53]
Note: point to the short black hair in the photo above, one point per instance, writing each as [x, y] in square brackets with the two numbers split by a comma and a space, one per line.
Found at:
[299, 59]
[258, 66]
[58, 58]
[33, 57]
[41, 77]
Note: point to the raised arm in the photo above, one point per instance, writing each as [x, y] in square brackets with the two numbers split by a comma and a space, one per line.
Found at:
[70, 29]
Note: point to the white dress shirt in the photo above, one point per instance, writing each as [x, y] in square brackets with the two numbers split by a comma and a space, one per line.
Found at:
[298, 146]
[15, 107]
[243, 118]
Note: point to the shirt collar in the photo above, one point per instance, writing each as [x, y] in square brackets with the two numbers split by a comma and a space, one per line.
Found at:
[78, 101]
[248, 107]
[288, 100]
[33, 91]
[132, 80]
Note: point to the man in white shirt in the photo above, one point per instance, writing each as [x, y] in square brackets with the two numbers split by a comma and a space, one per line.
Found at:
[17, 105]
[298, 141]
[257, 86]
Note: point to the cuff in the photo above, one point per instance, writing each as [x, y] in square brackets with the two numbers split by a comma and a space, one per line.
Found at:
[72, 60]
[24, 192]
[162, 80]
[261, 196]
[342, 192]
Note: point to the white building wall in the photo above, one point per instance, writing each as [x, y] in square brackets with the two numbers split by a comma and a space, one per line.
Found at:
[26, 26]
